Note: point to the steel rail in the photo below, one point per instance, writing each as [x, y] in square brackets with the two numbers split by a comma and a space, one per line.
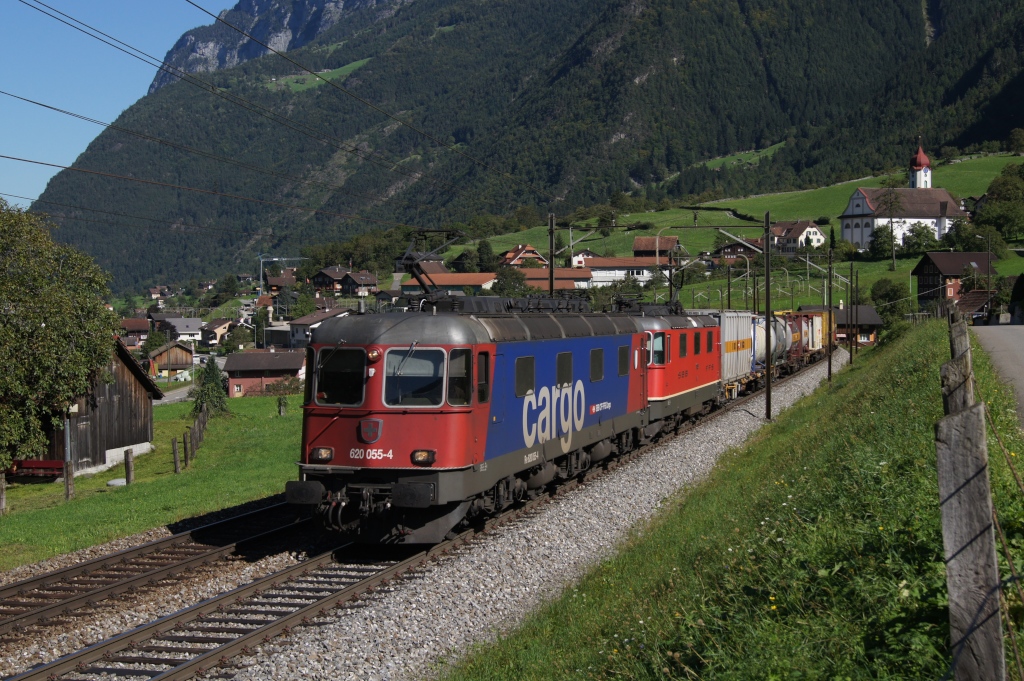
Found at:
[153, 561]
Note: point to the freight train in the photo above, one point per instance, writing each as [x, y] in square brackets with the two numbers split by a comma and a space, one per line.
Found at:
[417, 421]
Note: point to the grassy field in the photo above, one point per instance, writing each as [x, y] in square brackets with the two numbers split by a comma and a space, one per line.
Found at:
[246, 456]
[814, 552]
[304, 82]
[744, 157]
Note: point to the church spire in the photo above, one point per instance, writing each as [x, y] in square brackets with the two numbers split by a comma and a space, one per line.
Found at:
[920, 173]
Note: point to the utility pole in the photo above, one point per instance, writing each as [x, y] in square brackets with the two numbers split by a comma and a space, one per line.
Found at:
[850, 313]
[856, 318]
[728, 278]
[551, 254]
[769, 319]
[831, 318]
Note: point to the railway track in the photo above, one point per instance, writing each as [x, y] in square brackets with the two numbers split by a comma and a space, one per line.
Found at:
[55, 594]
[197, 639]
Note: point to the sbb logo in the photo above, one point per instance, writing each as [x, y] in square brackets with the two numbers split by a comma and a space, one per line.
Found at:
[554, 412]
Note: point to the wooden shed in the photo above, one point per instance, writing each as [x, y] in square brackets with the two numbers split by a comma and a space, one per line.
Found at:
[115, 416]
[170, 359]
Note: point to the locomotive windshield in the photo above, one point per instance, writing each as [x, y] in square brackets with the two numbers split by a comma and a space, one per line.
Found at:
[414, 378]
[341, 377]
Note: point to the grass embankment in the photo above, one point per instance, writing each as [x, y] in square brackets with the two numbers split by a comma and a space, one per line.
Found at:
[813, 552]
[246, 456]
[301, 83]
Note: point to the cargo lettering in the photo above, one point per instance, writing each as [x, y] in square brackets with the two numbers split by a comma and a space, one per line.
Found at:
[554, 412]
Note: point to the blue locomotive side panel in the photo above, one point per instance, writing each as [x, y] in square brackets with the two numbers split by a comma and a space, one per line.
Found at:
[560, 400]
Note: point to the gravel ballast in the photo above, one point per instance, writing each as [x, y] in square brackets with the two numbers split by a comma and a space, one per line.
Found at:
[408, 630]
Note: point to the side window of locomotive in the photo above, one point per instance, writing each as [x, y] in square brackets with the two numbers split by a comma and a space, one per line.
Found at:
[696, 342]
[340, 377]
[711, 342]
[460, 377]
[483, 377]
[623, 360]
[682, 345]
[524, 376]
[658, 349]
[563, 368]
[414, 378]
[596, 365]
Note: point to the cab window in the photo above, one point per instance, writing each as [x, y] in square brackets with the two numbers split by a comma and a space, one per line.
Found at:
[524, 376]
[340, 377]
[483, 377]
[711, 342]
[658, 348]
[682, 345]
[460, 377]
[696, 342]
[413, 378]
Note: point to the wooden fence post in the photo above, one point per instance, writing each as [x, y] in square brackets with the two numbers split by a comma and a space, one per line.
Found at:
[957, 384]
[129, 467]
[177, 461]
[972, 573]
[192, 443]
[184, 444]
[3, 493]
[959, 341]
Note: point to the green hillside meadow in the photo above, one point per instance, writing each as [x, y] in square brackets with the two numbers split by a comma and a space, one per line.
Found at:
[812, 552]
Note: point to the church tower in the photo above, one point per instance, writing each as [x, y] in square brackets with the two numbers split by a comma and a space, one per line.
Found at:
[920, 172]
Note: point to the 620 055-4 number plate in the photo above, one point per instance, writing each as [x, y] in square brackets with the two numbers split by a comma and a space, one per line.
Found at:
[370, 454]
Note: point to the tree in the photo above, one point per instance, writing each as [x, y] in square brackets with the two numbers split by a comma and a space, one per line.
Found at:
[881, 242]
[155, 340]
[56, 336]
[209, 391]
[239, 336]
[486, 260]
[891, 299]
[306, 304]
[968, 238]
[1016, 140]
[920, 239]
[832, 238]
[510, 283]
[260, 323]
[889, 204]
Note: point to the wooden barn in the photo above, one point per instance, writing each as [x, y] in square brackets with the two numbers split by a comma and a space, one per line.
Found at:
[171, 359]
[117, 415]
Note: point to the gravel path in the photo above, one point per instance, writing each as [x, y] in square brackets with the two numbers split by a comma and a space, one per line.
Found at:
[410, 629]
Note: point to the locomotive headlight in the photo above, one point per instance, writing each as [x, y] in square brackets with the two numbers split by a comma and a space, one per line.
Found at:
[373, 354]
[321, 454]
[424, 457]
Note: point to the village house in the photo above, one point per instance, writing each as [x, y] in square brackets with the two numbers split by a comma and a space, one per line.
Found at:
[607, 271]
[359, 284]
[329, 279]
[214, 331]
[134, 331]
[184, 329]
[566, 278]
[863, 320]
[650, 246]
[939, 272]
[302, 328]
[918, 204]
[517, 256]
[789, 237]
[170, 360]
[728, 254]
[251, 372]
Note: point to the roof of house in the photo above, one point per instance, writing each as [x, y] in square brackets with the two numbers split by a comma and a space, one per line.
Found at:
[136, 369]
[953, 263]
[161, 316]
[217, 323]
[513, 254]
[334, 272]
[974, 301]
[433, 267]
[459, 279]
[651, 243]
[265, 301]
[622, 263]
[167, 346]
[863, 315]
[318, 316]
[265, 361]
[362, 278]
[751, 244]
[136, 324]
[915, 203]
[792, 230]
[281, 282]
[185, 324]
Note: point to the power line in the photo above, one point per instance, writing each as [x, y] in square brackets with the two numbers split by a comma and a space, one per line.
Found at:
[373, 106]
[210, 192]
[200, 152]
[250, 106]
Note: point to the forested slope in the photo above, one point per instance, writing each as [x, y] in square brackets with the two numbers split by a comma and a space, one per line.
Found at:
[574, 100]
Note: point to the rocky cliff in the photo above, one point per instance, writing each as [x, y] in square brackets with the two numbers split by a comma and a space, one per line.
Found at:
[282, 24]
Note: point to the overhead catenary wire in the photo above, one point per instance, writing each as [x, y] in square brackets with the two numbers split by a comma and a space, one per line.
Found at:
[212, 192]
[252, 107]
[200, 152]
[371, 105]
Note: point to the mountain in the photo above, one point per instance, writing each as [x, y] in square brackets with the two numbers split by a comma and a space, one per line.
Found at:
[525, 103]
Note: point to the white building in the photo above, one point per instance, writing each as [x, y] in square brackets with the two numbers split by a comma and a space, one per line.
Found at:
[918, 204]
[607, 271]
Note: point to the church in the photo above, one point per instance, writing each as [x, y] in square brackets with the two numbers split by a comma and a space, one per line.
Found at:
[919, 203]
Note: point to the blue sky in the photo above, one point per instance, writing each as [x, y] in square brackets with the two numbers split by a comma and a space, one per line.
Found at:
[52, 63]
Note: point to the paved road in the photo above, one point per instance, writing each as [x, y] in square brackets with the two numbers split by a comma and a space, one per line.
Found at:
[172, 396]
[1005, 345]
